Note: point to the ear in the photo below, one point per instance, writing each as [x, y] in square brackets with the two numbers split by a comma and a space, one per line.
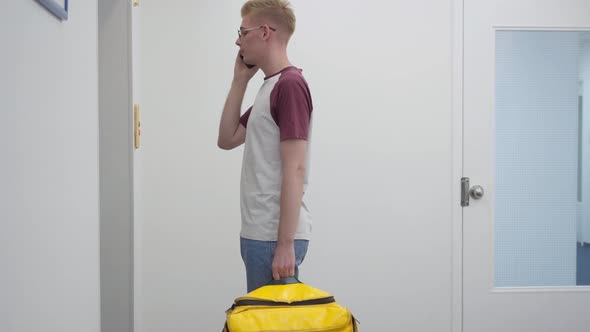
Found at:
[266, 33]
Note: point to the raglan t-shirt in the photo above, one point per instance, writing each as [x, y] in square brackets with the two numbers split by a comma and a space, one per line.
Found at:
[282, 110]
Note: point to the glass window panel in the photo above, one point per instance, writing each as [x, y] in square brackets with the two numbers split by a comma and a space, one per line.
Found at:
[542, 212]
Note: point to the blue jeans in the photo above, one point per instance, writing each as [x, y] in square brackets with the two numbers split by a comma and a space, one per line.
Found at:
[258, 255]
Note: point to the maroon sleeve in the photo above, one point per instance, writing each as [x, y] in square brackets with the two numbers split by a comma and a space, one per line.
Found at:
[291, 107]
[244, 118]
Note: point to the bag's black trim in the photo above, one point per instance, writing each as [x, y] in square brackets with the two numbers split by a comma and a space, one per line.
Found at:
[324, 300]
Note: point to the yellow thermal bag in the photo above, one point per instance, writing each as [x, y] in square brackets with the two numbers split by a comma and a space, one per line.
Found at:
[289, 306]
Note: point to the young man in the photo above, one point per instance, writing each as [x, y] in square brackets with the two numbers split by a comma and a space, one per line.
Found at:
[276, 223]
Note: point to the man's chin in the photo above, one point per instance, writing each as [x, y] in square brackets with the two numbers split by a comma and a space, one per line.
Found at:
[246, 62]
[249, 64]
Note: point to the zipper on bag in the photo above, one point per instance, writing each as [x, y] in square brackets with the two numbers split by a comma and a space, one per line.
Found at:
[324, 300]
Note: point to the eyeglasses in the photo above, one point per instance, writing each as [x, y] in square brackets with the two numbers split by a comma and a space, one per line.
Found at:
[242, 32]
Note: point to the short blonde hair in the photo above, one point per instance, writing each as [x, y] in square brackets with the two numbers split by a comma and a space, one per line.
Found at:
[277, 11]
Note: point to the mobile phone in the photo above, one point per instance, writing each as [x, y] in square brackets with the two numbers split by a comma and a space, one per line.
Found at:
[247, 65]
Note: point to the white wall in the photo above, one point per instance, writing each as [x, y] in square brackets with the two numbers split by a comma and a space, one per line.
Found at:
[380, 76]
[536, 158]
[49, 214]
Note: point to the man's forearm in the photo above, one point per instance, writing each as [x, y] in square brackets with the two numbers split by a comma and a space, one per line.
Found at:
[291, 194]
[230, 118]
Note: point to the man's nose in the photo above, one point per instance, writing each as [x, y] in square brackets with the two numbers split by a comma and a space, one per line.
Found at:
[238, 41]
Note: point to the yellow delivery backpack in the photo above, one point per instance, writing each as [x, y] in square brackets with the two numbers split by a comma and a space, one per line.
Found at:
[288, 305]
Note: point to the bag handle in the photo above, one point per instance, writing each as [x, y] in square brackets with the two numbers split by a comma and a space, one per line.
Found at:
[284, 281]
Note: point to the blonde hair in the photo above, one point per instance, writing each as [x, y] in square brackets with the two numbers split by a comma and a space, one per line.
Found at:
[277, 11]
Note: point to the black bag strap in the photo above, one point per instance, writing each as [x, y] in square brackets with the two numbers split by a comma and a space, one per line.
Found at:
[284, 281]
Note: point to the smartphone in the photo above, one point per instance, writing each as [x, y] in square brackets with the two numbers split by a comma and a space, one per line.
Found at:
[247, 65]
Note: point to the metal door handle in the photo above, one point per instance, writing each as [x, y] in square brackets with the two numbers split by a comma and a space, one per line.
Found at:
[476, 192]
[466, 191]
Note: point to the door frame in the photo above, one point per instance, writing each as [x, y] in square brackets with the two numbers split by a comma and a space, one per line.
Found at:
[116, 194]
[457, 38]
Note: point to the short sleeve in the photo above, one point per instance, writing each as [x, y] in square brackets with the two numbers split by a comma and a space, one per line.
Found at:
[291, 107]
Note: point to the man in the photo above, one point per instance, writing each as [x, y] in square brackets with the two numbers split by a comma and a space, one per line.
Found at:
[276, 223]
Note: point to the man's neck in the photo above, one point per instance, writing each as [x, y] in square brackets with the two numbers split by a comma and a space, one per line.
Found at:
[275, 64]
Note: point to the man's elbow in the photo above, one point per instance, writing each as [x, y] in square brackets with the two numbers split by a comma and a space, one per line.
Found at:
[295, 171]
[223, 145]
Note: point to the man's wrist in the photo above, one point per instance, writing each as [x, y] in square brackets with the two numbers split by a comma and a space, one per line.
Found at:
[240, 83]
[285, 242]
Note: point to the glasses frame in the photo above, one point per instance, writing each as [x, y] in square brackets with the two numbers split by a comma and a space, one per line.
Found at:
[242, 30]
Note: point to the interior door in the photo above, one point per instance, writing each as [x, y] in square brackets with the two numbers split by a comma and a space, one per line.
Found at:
[525, 153]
